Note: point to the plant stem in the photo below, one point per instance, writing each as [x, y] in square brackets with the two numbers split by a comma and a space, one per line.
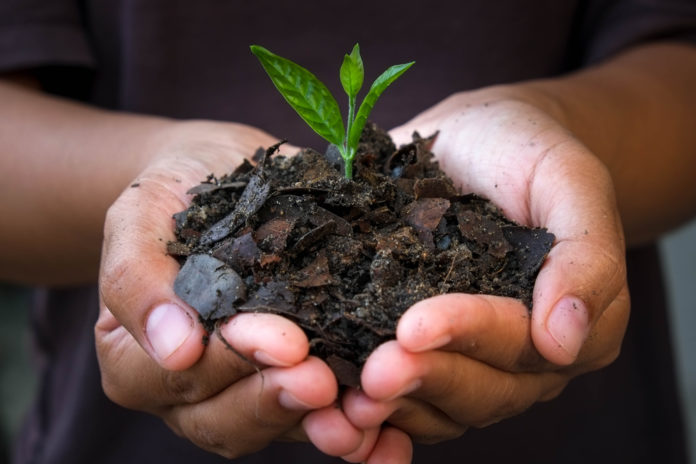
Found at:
[348, 152]
[348, 168]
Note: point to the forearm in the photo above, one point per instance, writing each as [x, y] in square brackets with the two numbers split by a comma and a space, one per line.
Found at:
[636, 112]
[62, 166]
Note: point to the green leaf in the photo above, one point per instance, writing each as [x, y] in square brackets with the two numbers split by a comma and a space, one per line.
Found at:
[305, 93]
[352, 72]
[378, 86]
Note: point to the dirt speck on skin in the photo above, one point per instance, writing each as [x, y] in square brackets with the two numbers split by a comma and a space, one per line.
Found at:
[345, 258]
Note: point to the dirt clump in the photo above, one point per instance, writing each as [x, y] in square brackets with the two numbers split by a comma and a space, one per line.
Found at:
[345, 258]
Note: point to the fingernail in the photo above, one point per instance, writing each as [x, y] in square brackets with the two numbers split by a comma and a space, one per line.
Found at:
[568, 324]
[435, 344]
[410, 388]
[167, 328]
[267, 359]
[290, 401]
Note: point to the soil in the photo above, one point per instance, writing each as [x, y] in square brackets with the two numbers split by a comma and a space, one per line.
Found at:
[345, 258]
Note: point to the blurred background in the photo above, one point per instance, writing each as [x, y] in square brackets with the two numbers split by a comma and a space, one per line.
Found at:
[679, 264]
[18, 382]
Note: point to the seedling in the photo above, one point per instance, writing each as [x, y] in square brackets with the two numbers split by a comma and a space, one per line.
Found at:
[318, 108]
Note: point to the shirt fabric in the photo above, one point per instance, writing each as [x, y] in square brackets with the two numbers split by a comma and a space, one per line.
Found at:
[191, 60]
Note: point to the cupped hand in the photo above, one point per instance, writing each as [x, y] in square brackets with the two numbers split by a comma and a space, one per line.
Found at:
[150, 344]
[471, 360]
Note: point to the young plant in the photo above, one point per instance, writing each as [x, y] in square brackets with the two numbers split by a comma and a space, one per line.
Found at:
[318, 108]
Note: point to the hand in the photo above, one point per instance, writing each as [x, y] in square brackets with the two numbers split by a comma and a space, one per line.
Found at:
[150, 343]
[468, 360]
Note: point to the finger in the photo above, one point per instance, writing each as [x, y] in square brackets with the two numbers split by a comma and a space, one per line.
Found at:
[469, 391]
[401, 135]
[288, 149]
[425, 124]
[256, 410]
[332, 433]
[137, 275]
[603, 344]
[266, 338]
[585, 270]
[368, 444]
[423, 422]
[365, 412]
[494, 330]
[262, 339]
[393, 447]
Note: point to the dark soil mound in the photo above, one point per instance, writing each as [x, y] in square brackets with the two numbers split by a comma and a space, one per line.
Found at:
[345, 258]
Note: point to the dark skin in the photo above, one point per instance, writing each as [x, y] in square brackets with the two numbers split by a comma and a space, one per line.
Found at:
[579, 160]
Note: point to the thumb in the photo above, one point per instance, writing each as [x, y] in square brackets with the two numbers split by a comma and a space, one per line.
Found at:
[401, 135]
[426, 124]
[584, 276]
[136, 274]
[576, 299]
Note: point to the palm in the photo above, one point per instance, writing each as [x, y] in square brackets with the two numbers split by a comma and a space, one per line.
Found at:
[539, 175]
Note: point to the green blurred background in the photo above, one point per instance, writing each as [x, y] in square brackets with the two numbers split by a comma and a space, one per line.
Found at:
[17, 379]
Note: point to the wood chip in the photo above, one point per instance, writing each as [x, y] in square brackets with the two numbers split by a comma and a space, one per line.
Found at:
[313, 236]
[481, 229]
[271, 296]
[434, 187]
[273, 234]
[252, 199]
[240, 253]
[425, 215]
[210, 286]
[315, 274]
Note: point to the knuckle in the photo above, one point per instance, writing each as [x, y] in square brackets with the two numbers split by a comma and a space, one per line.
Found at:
[451, 384]
[529, 360]
[215, 437]
[506, 401]
[270, 421]
[183, 386]
[112, 280]
[120, 393]
[427, 426]
[117, 385]
[434, 436]
[211, 439]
